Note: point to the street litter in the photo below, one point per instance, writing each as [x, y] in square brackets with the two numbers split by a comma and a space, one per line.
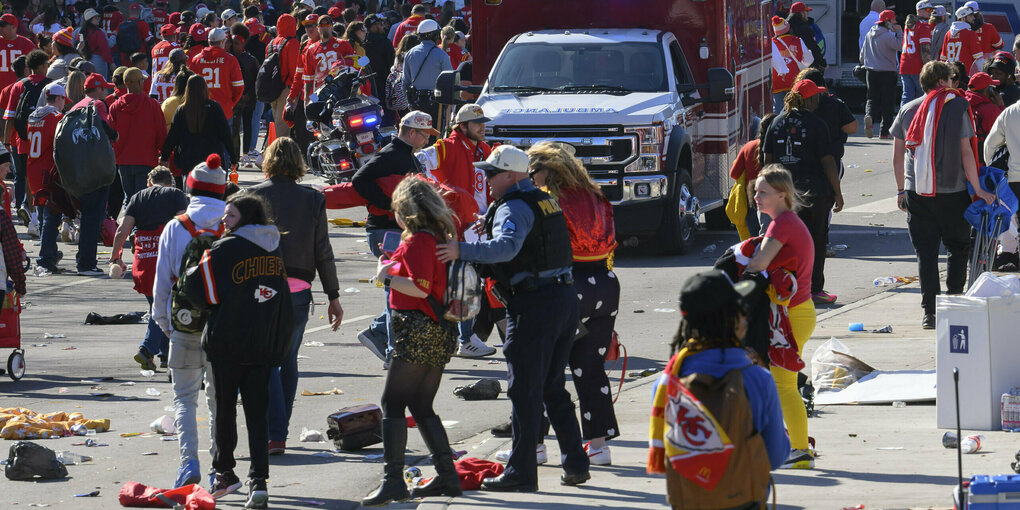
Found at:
[90, 443]
[323, 454]
[482, 389]
[153, 392]
[54, 335]
[334, 391]
[63, 390]
[27, 460]
[72, 348]
[169, 438]
[314, 344]
[129, 383]
[881, 387]
[351, 290]
[665, 310]
[150, 453]
[639, 311]
[971, 443]
[163, 425]
[311, 436]
[70, 458]
[38, 345]
[94, 318]
[147, 373]
[643, 373]
[494, 361]
[134, 494]
[21, 423]
[833, 368]
[87, 495]
[131, 434]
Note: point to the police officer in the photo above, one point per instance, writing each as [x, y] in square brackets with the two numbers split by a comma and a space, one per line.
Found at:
[422, 65]
[529, 255]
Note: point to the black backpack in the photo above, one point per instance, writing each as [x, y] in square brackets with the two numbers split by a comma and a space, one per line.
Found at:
[27, 103]
[269, 81]
[184, 315]
[128, 40]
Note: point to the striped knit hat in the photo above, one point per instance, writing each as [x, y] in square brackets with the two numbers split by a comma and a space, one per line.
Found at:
[779, 25]
[208, 176]
[64, 36]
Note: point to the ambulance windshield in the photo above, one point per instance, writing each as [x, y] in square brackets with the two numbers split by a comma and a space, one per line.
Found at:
[610, 68]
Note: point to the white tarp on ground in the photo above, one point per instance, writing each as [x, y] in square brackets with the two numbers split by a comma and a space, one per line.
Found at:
[881, 387]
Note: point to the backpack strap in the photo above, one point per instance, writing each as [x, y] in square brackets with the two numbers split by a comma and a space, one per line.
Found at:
[195, 232]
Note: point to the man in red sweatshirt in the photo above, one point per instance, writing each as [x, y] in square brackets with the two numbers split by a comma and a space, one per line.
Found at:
[221, 71]
[139, 122]
[290, 55]
[410, 25]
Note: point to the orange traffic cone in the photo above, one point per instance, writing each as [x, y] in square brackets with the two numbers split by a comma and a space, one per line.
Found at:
[271, 134]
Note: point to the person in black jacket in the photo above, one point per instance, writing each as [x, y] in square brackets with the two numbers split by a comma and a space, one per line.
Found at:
[800, 26]
[300, 213]
[246, 106]
[380, 53]
[395, 158]
[246, 334]
[198, 129]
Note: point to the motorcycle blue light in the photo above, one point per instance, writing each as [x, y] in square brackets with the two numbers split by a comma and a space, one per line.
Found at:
[371, 120]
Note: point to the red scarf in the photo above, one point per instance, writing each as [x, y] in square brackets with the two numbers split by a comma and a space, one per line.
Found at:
[921, 137]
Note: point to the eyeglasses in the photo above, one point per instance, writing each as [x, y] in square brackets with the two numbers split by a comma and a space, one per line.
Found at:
[490, 173]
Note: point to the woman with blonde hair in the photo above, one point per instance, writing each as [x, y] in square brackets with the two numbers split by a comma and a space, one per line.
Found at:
[300, 212]
[788, 245]
[593, 240]
[422, 345]
[75, 88]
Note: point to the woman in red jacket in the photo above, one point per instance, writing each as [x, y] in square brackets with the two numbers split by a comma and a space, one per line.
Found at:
[422, 346]
[986, 105]
[593, 239]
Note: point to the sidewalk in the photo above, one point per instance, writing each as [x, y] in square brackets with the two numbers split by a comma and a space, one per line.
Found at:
[878, 456]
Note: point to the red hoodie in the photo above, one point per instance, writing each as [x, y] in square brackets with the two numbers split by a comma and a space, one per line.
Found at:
[290, 51]
[222, 75]
[985, 113]
[141, 127]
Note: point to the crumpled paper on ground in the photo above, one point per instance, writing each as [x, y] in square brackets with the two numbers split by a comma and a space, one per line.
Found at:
[334, 391]
[21, 423]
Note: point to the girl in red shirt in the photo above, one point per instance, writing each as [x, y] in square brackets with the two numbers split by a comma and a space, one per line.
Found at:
[422, 345]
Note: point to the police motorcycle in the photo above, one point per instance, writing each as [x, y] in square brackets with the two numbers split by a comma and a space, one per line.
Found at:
[346, 124]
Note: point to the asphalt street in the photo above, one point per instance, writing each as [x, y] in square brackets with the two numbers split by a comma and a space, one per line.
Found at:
[63, 373]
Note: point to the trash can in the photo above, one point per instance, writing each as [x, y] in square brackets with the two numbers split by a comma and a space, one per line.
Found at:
[979, 336]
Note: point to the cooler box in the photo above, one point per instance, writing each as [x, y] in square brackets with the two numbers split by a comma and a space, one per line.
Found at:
[999, 492]
[979, 336]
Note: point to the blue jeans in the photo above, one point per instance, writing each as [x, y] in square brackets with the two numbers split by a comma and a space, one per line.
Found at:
[380, 326]
[777, 102]
[466, 329]
[911, 88]
[155, 341]
[93, 211]
[133, 178]
[283, 379]
[48, 237]
[256, 121]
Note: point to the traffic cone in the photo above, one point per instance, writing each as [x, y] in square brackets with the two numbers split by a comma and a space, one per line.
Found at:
[271, 134]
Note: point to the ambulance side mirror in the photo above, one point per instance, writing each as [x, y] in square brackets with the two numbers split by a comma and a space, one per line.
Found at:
[720, 85]
[448, 88]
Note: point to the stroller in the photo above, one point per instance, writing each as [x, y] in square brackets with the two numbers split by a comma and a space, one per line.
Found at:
[990, 220]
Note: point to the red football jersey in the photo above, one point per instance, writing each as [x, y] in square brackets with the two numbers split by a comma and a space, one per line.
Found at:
[962, 47]
[990, 39]
[110, 22]
[10, 110]
[913, 39]
[11, 49]
[319, 59]
[222, 75]
[40, 151]
[161, 53]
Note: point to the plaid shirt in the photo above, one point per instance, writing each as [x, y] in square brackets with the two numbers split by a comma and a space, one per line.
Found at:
[13, 252]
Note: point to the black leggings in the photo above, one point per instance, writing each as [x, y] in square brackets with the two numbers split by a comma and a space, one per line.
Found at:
[411, 386]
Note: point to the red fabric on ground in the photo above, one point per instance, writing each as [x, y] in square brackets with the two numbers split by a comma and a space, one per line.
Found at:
[472, 471]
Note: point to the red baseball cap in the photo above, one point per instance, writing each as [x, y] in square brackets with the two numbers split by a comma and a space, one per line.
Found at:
[198, 32]
[174, 18]
[799, 7]
[807, 88]
[310, 20]
[96, 80]
[886, 15]
[167, 29]
[335, 13]
[8, 19]
[981, 81]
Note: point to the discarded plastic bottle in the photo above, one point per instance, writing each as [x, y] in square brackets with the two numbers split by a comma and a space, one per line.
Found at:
[70, 458]
[882, 281]
[883, 329]
[972, 444]
[839, 247]
[233, 174]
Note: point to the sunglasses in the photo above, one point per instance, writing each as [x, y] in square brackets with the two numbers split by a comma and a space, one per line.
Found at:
[490, 173]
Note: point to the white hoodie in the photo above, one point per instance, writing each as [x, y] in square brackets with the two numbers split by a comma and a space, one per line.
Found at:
[205, 213]
[1006, 131]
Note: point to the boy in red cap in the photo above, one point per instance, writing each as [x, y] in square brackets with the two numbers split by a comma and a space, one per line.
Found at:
[986, 104]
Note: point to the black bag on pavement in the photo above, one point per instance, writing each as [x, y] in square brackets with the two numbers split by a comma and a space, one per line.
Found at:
[27, 460]
[482, 389]
[82, 152]
[353, 428]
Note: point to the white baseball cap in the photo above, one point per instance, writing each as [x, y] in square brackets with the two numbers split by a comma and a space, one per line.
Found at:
[90, 13]
[973, 5]
[470, 113]
[309, 3]
[55, 89]
[419, 120]
[505, 158]
[201, 12]
[429, 25]
[227, 14]
[923, 4]
[217, 35]
[963, 12]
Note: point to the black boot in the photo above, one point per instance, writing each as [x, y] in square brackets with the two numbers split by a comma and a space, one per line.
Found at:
[446, 482]
[393, 487]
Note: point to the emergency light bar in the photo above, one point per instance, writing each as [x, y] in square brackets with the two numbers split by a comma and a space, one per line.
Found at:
[367, 120]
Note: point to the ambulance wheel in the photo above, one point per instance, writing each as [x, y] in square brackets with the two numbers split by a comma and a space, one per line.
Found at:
[16, 365]
[679, 218]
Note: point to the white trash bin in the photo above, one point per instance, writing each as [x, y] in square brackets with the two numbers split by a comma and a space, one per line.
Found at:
[981, 337]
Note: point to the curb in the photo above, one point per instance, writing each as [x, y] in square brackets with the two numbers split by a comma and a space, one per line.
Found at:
[483, 437]
[886, 294]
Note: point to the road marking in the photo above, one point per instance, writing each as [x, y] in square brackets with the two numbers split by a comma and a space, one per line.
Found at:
[60, 286]
[344, 323]
[885, 205]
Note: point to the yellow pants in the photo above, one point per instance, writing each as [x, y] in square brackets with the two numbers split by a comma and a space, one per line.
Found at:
[802, 320]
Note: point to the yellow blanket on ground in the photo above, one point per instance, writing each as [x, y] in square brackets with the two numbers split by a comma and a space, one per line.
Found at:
[21, 423]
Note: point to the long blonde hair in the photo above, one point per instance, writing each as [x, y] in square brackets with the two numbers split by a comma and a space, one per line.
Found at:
[780, 179]
[564, 170]
[420, 208]
[283, 157]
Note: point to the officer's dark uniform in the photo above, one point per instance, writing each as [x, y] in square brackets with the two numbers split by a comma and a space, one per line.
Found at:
[529, 255]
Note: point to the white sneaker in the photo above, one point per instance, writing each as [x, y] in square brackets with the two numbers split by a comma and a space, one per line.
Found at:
[475, 348]
[540, 454]
[598, 457]
[33, 229]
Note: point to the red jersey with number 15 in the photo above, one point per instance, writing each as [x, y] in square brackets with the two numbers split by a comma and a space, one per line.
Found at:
[11, 49]
[319, 59]
[913, 39]
[222, 75]
[961, 46]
